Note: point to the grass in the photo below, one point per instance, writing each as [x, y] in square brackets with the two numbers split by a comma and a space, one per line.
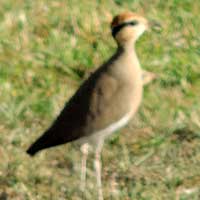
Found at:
[47, 48]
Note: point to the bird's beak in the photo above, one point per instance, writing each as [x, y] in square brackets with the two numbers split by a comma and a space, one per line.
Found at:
[154, 25]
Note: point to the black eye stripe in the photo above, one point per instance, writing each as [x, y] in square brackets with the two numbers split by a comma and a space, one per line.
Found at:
[116, 29]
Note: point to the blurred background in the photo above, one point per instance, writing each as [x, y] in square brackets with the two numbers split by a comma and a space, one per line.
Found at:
[47, 48]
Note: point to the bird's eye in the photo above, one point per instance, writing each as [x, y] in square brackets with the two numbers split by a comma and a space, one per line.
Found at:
[116, 29]
[133, 23]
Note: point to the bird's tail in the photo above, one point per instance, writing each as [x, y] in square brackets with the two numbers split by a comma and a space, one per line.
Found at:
[47, 140]
[54, 136]
[36, 146]
[32, 150]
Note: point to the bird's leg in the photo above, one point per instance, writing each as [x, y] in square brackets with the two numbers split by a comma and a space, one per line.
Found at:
[148, 77]
[97, 165]
[84, 150]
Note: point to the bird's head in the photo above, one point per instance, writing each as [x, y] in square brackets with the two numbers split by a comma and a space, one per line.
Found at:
[127, 27]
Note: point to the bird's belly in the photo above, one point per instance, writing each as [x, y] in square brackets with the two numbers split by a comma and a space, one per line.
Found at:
[96, 137]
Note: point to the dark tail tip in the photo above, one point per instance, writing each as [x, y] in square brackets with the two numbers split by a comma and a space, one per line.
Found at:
[31, 151]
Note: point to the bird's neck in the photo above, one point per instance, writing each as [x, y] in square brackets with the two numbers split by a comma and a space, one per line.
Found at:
[127, 51]
[126, 47]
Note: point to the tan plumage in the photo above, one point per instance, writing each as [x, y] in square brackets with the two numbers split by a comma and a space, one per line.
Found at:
[106, 101]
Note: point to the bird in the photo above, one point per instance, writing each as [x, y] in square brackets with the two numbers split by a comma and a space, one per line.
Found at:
[148, 77]
[105, 102]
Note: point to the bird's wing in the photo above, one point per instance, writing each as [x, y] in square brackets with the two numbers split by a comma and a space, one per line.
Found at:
[107, 103]
[90, 109]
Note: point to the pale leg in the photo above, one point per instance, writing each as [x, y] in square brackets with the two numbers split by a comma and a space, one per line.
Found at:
[84, 150]
[97, 165]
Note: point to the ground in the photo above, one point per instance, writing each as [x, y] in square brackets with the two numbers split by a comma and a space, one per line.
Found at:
[47, 48]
